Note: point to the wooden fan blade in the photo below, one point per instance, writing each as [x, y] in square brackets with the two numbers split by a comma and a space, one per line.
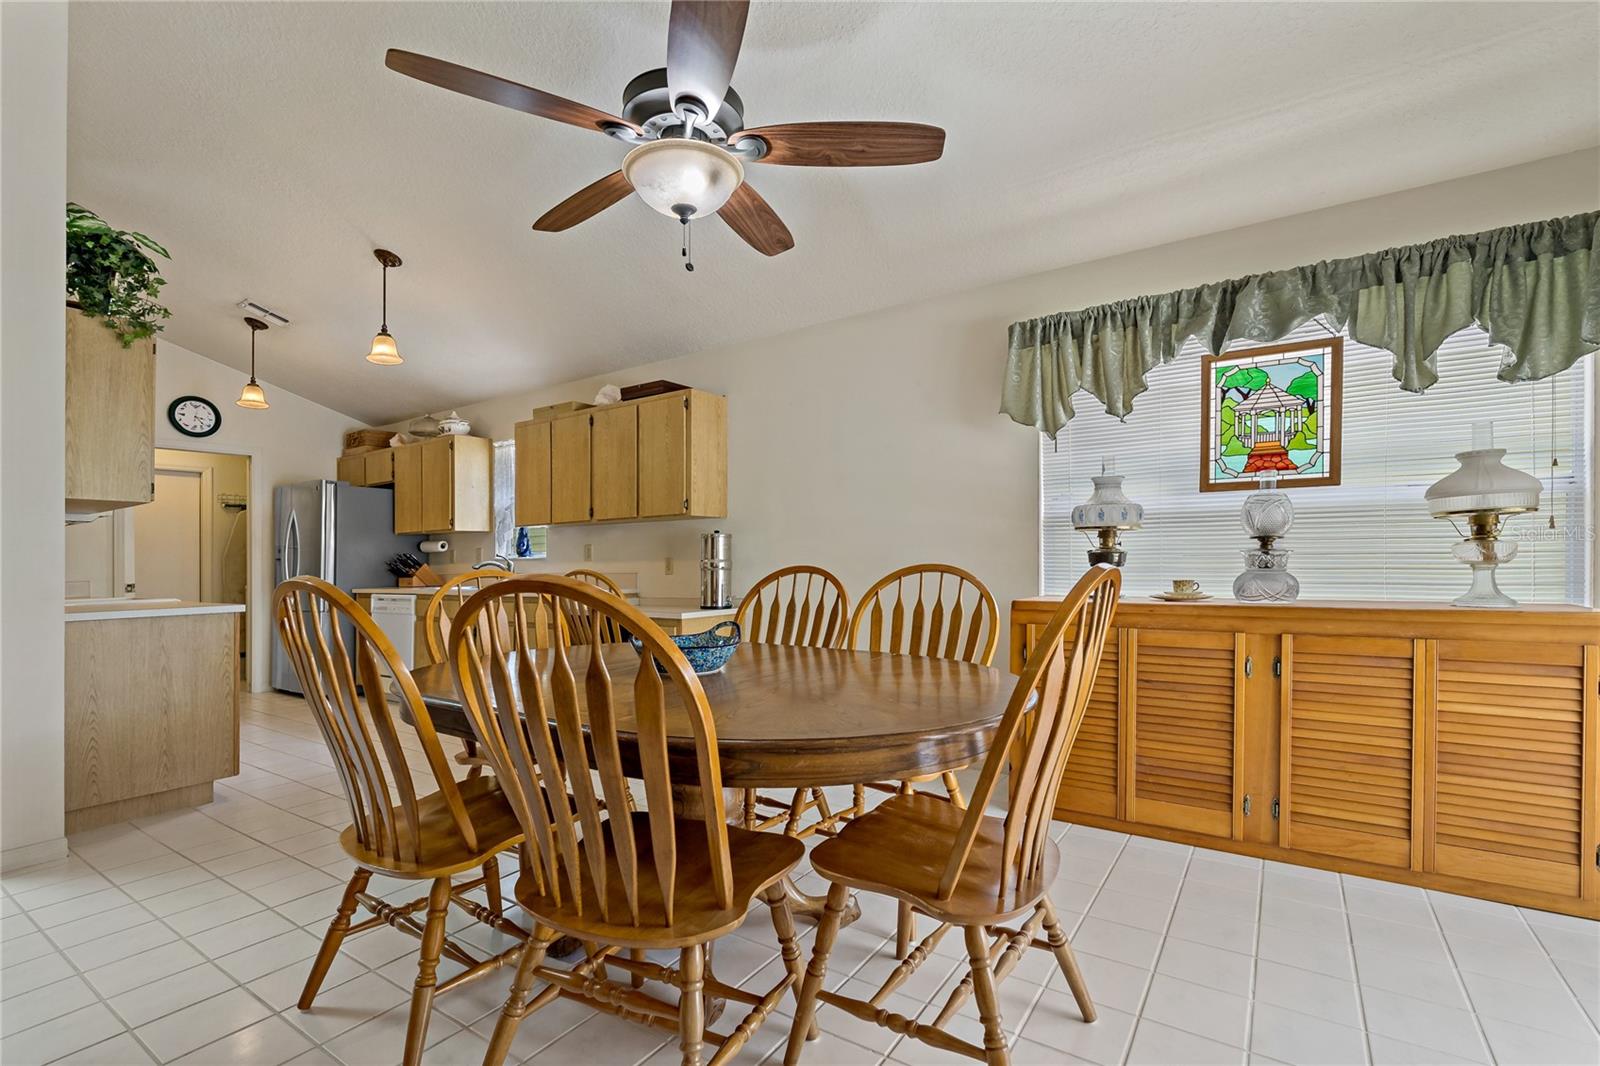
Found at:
[703, 38]
[847, 144]
[585, 203]
[476, 83]
[751, 218]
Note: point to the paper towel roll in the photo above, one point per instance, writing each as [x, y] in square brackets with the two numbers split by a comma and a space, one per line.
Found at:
[434, 546]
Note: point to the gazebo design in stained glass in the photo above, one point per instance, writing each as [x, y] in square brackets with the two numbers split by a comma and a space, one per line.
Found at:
[1271, 410]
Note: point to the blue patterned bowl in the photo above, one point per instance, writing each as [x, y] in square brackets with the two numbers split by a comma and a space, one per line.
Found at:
[707, 652]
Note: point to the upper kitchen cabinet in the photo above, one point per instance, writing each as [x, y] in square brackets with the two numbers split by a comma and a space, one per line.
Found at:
[443, 486]
[374, 467]
[683, 456]
[660, 457]
[110, 418]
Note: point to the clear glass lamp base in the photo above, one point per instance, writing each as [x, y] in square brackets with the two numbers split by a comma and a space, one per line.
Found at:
[1484, 591]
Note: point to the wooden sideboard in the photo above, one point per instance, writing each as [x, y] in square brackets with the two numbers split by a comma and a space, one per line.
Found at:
[1446, 747]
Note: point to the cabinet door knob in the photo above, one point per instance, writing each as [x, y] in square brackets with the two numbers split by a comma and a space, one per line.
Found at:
[1249, 665]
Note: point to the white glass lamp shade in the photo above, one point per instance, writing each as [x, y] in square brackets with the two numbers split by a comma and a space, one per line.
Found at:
[1107, 507]
[252, 396]
[683, 178]
[384, 352]
[1483, 483]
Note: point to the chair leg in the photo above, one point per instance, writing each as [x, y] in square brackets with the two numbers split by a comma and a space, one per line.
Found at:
[783, 925]
[905, 929]
[334, 937]
[691, 1003]
[491, 883]
[427, 970]
[1066, 960]
[994, 1036]
[805, 1014]
[516, 1008]
[953, 787]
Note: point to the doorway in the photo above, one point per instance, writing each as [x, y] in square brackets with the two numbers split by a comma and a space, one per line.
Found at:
[170, 541]
[192, 541]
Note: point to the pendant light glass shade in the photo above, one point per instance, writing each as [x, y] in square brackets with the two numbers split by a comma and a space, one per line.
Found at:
[682, 178]
[384, 352]
[253, 397]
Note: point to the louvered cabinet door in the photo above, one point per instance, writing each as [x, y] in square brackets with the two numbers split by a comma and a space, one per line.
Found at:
[1090, 783]
[1348, 713]
[1509, 790]
[1180, 723]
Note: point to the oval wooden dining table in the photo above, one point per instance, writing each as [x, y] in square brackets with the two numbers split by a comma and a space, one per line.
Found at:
[788, 717]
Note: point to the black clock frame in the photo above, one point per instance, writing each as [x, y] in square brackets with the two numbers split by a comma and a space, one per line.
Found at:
[172, 416]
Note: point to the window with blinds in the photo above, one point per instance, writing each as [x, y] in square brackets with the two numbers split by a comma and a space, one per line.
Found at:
[1371, 536]
[505, 506]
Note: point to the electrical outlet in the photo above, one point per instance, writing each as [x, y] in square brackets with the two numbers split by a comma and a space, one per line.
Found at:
[588, 553]
[669, 566]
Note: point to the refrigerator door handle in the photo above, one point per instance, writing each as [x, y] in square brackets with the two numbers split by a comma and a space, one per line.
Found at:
[291, 543]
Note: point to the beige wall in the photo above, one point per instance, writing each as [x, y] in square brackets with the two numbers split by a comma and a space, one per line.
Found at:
[293, 440]
[872, 442]
[33, 192]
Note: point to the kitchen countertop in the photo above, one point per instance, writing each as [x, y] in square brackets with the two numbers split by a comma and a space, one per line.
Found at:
[153, 608]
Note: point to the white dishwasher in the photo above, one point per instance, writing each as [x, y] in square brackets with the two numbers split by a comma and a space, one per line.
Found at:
[396, 615]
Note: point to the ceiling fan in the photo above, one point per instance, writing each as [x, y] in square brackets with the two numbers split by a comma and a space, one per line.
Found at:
[686, 126]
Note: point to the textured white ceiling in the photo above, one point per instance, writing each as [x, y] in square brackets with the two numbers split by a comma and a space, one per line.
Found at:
[268, 147]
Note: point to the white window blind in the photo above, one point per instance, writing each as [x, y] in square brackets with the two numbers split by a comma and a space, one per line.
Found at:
[505, 505]
[1371, 536]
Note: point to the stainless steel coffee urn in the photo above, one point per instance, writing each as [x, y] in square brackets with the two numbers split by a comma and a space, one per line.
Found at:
[716, 569]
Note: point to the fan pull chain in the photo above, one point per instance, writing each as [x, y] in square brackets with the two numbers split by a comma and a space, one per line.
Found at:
[688, 263]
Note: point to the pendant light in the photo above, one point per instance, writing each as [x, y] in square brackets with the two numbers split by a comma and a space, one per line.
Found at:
[252, 395]
[384, 352]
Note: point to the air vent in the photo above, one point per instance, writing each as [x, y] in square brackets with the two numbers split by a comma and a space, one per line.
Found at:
[250, 307]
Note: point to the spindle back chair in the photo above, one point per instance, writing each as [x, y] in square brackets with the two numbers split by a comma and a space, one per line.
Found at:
[445, 604]
[969, 868]
[798, 606]
[579, 620]
[395, 830]
[932, 610]
[586, 714]
[929, 609]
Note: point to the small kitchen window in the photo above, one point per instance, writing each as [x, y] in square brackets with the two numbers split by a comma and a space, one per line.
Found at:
[505, 507]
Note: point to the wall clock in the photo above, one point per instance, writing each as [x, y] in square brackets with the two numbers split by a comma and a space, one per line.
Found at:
[194, 416]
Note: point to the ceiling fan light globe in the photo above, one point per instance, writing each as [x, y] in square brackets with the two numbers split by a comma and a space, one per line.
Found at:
[252, 396]
[384, 352]
[678, 174]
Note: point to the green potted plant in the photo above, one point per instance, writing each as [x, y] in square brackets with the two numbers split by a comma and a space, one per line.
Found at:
[112, 276]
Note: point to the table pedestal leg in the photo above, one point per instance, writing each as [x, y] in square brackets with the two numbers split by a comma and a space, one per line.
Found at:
[803, 905]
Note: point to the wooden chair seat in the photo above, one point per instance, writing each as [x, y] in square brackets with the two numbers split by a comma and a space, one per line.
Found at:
[759, 859]
[871, 853]
[441, 851]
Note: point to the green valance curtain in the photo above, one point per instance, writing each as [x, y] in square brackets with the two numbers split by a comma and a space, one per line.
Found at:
[1530, 287]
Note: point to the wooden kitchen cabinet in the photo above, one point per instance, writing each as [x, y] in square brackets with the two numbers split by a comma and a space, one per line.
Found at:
[1452, 749]
[377, 467]
[614, 458]
[1180, 728]
[352, 469]
[660, 457]
[569, 470]
[443, 486]
[110, 418]
[532, 444]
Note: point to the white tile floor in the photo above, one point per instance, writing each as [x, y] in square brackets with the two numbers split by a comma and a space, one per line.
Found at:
[186, 937]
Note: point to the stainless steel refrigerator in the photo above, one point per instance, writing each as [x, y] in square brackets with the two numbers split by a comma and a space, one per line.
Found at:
[335, 531]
